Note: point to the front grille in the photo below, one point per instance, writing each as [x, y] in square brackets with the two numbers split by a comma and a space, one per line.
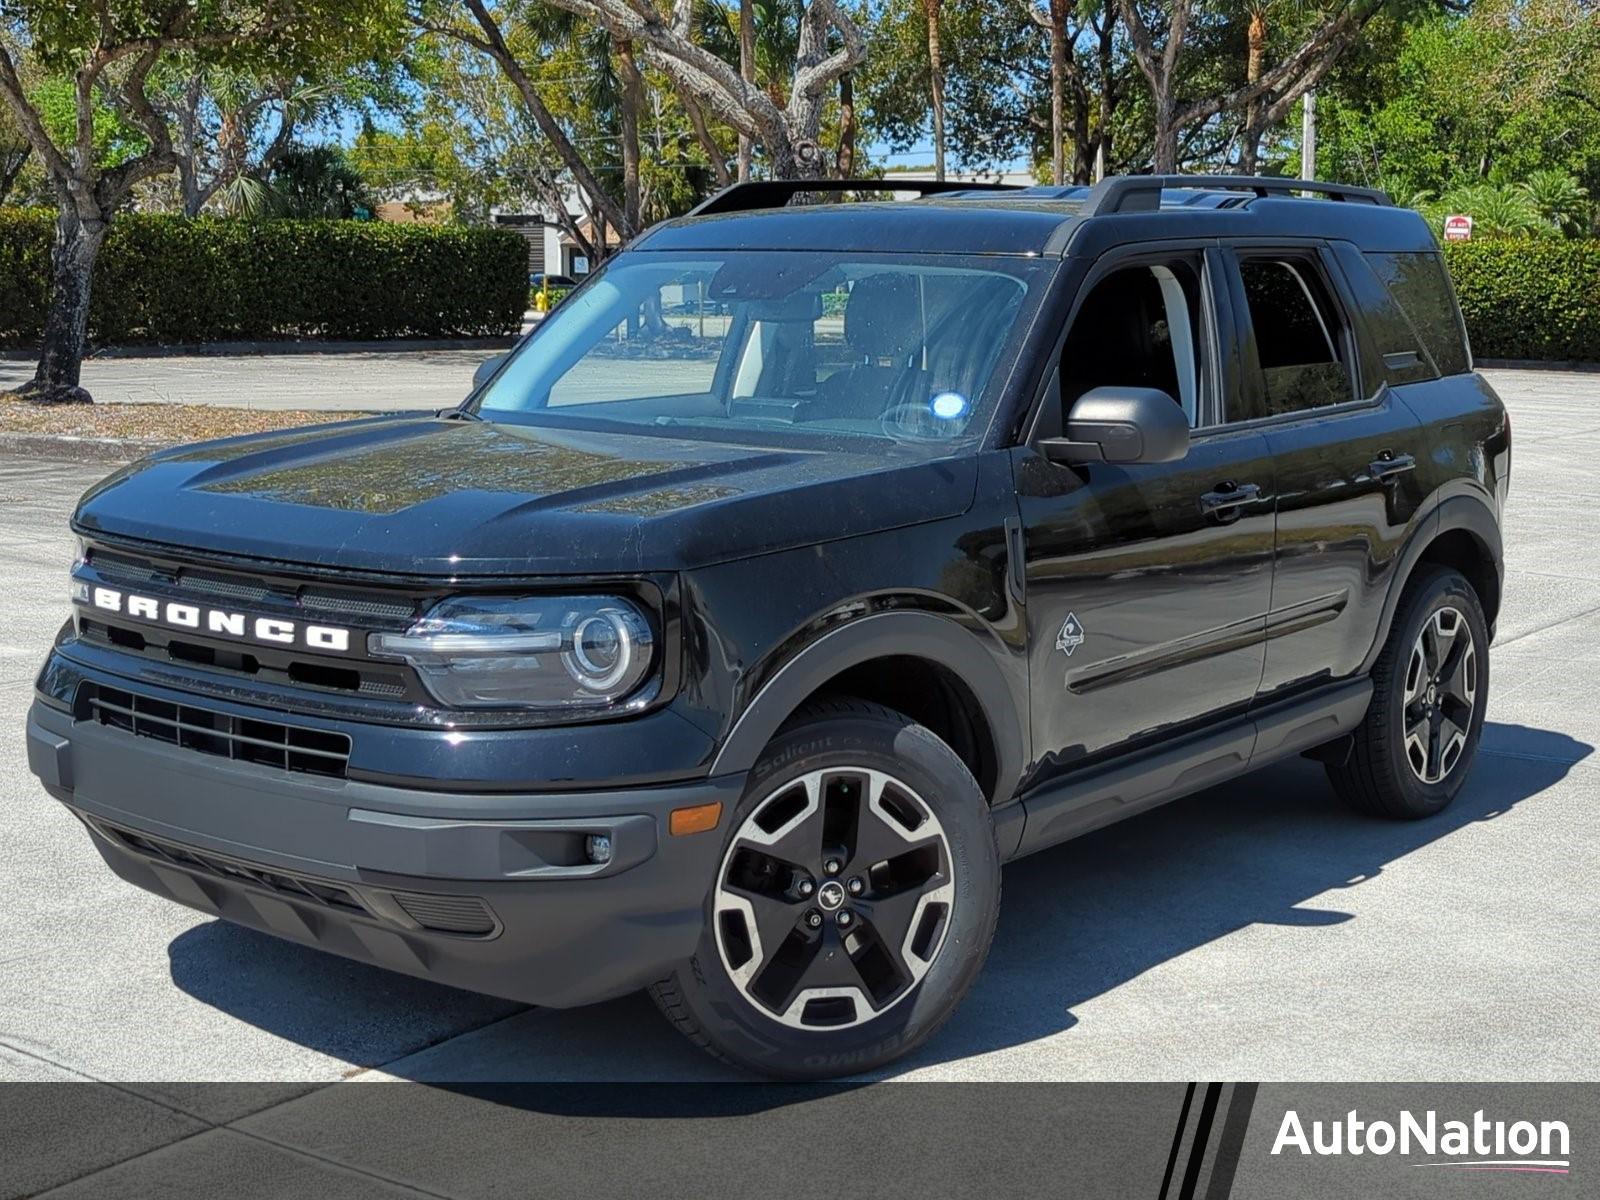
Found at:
[298, 887]
[272, 665]
[447, 914]
[353, 676]
[243, 739]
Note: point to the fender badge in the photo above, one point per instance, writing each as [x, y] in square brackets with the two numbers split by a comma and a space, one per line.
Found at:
[1071, 635]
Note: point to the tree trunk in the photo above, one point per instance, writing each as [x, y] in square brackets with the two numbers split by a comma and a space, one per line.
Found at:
[847, 126]
[1256, 40]
[1164, 154]
[1082, 161]
[1108, 96]
[189, 188]
[66, 326]
[936, 84]
[1058, 84]
[747, 72]
[12, 160]
[702, 134]
[632, 102]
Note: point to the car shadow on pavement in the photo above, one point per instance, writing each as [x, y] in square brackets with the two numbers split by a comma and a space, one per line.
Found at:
[1076, 921]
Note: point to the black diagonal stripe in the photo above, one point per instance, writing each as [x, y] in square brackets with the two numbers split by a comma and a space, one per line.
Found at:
[1231, 1146]
[1177, 1140]
[1202, 1135]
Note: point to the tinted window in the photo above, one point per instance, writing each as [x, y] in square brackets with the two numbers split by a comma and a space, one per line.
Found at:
[1299, 334]
[1140, 326]
[1418, 283]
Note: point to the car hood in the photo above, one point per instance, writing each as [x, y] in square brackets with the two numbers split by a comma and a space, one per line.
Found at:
[440, 496]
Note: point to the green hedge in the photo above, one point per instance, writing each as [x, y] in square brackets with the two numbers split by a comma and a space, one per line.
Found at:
[162, 279]
[1529, 297]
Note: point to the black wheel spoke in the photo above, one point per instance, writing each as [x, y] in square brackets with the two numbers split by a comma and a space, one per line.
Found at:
[786, 970]
[890, 828]
[775, 918]
[1456, 711]
[1455, 657]
[1432, 742]
[833, 966]
[890, 919]
[788, 827]
[1430, 648]
[1417, 723]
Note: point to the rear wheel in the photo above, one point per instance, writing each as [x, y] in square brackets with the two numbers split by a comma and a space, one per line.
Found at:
[854, 902]
[1414, 749]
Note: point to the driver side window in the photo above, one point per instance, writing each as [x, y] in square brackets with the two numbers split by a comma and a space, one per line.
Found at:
[1140, 326]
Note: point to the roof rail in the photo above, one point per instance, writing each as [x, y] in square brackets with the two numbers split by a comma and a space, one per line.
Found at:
[773, 193]
[1142, 193]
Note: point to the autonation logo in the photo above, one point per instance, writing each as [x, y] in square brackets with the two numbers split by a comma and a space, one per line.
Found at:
[1480, 1144]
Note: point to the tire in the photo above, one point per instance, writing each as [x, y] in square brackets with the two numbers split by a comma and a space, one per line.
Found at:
[1388, 773]
[747, 1003]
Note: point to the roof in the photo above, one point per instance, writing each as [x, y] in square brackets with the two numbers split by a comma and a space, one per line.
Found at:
[1048, 221]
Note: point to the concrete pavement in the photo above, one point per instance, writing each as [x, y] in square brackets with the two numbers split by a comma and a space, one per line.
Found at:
[359, 380]
[1253, 931]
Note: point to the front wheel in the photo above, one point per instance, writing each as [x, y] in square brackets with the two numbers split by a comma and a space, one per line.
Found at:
[853, 905]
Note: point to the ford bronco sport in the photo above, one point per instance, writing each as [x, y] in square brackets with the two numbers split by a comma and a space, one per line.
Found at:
[806, 565]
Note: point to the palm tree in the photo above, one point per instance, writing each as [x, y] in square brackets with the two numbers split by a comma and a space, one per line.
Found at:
[1561, 200]
[930, 9]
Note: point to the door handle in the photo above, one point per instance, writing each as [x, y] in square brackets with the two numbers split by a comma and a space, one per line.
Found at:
[1228, 497]
[1386, 466]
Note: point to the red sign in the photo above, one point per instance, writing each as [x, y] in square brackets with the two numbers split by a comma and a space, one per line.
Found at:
[1458, 228]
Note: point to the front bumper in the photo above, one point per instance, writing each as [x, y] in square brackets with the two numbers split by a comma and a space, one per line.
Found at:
[489, 892]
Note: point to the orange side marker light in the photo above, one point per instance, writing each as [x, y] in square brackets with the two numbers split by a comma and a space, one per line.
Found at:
[700, 818]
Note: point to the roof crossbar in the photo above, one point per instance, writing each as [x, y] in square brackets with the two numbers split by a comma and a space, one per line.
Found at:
[774, 193]
[1142, 193]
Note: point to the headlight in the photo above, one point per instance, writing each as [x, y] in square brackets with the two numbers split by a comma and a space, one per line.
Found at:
[527, 652]
[78, 589]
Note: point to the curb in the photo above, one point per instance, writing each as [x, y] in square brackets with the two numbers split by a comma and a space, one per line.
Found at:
[1536, 364]
[62, 446]
[269, 349]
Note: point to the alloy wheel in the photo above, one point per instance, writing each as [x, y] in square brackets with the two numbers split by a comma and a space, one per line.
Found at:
[834, 898]
[1441, 691]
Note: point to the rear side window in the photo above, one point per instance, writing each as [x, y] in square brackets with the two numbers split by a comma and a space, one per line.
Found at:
[1299, 333]
[1419, 285]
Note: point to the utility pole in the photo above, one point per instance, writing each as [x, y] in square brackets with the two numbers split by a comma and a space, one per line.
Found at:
[1308, 137]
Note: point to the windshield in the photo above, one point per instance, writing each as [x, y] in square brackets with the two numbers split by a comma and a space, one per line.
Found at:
[780, 344]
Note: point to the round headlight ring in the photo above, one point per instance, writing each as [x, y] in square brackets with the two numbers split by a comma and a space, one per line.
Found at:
[585, 671]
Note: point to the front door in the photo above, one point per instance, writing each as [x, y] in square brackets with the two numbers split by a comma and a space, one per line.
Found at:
[1147, 586]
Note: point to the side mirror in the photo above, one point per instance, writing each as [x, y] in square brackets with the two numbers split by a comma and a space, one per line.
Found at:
[1121, 425]
[485, 369]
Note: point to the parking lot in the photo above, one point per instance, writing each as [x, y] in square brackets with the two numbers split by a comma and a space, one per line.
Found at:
[1253, 931]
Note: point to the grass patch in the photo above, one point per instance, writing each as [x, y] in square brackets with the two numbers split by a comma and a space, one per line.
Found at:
[151, 425]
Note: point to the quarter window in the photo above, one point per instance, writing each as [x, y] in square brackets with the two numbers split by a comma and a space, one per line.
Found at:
[1419, 285]
[1300, 336]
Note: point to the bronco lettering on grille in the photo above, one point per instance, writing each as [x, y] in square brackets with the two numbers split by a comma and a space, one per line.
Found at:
[220, 621]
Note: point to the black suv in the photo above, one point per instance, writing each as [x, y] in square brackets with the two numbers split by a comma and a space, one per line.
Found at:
[804, 566]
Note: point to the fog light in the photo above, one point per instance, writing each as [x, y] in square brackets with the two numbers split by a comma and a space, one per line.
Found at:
[597, 846]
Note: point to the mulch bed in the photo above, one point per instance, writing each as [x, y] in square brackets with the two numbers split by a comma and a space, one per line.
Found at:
[147, 426]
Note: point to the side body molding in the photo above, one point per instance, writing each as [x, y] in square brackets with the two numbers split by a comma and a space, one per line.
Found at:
[916, 634]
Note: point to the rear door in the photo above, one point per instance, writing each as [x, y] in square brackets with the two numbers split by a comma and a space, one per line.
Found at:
[1345, 451]
[1147, 585]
